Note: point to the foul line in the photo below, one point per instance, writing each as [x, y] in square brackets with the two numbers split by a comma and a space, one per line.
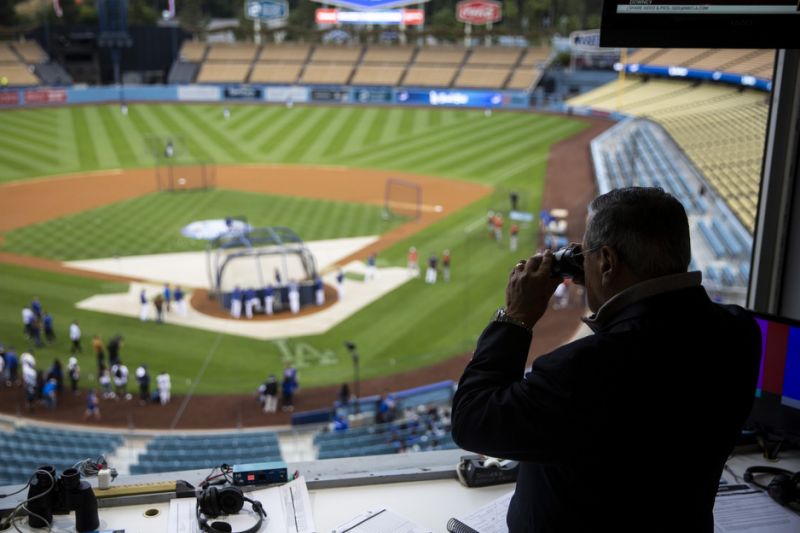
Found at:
[197, 379]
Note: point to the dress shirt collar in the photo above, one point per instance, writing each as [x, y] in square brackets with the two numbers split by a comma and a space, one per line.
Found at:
[640, 291]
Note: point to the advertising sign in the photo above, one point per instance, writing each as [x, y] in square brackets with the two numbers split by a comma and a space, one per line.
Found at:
[242, 93]
[286, 94]
[196, 93]
[374, 96]
[370, 5]
[266, 9]
[451, 98]
[409, 17]
[46, 96]
[329, 95]
[479, 12]
[9, 98]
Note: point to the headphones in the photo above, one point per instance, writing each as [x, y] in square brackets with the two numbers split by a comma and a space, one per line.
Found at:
[784, 487]
[227, 499]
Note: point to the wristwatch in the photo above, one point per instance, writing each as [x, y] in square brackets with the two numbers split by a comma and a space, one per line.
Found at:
[501, 316]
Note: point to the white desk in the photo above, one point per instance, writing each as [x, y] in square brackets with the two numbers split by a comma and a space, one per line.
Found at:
[352, 491]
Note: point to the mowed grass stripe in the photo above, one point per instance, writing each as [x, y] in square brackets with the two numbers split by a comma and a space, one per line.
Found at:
[359, 137]
[104, 149]
[197, 144]
[128, 146]
[348, 136]
[242, 116]
[422, 147]
[281, 130]
[337, 138]
[83, 138]
[230, 149]
[19, 122]
[19, 164]
[505, 138]
[336, 125]
[324, 121]
[19, 141]
[421, 140]
[37, 119]
[258, 132]
[290, 142]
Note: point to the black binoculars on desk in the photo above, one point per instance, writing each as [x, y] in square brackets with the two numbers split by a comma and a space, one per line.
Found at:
[49, 495]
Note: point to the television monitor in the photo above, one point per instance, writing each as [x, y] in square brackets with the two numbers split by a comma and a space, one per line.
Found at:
[776, 410]
[704, 24]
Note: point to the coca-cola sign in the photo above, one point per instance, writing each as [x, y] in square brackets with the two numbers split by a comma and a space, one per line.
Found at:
[479, 12]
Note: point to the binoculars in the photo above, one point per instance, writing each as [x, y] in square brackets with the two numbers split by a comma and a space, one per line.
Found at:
[568, 263]
[49, 495]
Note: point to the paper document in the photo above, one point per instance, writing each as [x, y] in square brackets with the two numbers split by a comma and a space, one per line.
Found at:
[288, 510]
[491, 518]
[380, 521]
[743, 509]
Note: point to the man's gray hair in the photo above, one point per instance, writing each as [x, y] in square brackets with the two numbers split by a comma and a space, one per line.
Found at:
[646, 226]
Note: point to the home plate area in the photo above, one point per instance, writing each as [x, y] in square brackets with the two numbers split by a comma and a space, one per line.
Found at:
[189, 270]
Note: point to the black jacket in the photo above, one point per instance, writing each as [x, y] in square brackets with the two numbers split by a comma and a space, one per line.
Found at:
[624, 430]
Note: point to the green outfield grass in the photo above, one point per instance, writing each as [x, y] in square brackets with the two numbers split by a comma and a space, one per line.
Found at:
[414, 325]
[151, 224]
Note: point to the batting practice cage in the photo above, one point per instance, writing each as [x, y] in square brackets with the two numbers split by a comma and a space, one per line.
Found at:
[178, 165]
[258, 259]
[402, 198]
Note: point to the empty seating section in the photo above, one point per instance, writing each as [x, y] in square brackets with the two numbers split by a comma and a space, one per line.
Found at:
[289, 53]
[388, 55]
[721, 129]
[523, 78]
[326, 74]
[238, 53]
[189, 452]
[223, 72]
[29, 447]
[378, 75]
[482, 77]
[427, 430]
[440, 56]
[740, 61]
[18, 74]
[7, 55]
[337, 54]
[275, 72]
[506, 57]
[429, 76]
[534, 57]
[30, 51]
[192, 51]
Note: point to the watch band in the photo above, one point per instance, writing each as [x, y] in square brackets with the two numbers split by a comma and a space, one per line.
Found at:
[501, 316]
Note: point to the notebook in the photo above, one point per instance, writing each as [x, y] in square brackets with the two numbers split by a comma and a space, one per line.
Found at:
[490, 518]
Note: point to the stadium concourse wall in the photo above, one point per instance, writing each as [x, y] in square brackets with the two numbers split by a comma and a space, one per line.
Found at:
[11, 98]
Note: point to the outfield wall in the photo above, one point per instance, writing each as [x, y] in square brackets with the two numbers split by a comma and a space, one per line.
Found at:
[265, 93]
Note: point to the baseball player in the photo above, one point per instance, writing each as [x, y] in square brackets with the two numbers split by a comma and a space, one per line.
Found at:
[340, 284]
[27, 320]
[144, 309]
[75, 337]
[236, 302]
[49, 331]
[430, 274]
[168, 297]
[514, 234]
[164, 385]
[294, 297]
[74, 371]
[250, 301]
[371, 270]
[226, 113]
[446, 264]
[269, 299]
[498, 227]
[319, 291]
[180, 300]
[413, 266]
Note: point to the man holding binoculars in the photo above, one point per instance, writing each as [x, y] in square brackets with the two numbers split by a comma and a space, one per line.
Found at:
[627, 429]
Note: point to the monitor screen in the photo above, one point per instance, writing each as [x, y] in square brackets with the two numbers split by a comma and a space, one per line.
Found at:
[777, 406]
[701, 24]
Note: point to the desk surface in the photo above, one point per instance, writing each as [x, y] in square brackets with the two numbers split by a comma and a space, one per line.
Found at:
[430, 503]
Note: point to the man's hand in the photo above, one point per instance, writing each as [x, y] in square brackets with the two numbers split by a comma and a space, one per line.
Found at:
[530, 287]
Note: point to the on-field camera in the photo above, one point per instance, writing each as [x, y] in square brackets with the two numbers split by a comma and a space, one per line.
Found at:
[48, 495]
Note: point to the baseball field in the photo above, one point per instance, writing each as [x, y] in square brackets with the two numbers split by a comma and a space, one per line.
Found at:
[77, 183]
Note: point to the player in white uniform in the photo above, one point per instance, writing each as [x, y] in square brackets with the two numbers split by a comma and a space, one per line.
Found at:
[164, 385]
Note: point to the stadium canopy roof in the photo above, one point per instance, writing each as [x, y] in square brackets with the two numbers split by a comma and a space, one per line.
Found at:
[271, 236]
[369, 5]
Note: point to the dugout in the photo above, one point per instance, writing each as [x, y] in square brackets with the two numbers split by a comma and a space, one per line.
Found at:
[257, 258]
